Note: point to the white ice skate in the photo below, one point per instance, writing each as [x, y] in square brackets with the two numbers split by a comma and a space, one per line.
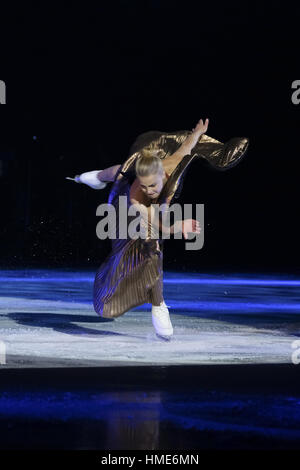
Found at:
[89, 178]
[161, 320]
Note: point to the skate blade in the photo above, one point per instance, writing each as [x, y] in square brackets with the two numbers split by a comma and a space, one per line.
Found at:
[164, 337]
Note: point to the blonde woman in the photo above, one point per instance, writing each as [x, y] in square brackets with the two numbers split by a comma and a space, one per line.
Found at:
[132, 273]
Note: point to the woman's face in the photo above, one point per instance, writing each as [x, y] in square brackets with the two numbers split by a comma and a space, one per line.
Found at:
[152, 185]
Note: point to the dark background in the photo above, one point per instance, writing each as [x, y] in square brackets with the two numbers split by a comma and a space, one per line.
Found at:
[84, 80]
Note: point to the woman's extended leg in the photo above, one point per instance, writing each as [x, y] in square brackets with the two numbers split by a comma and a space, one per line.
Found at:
[160, 312]
[108, 174]
[156, 293]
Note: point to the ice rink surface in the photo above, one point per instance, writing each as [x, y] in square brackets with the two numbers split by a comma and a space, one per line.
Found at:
[47, 320]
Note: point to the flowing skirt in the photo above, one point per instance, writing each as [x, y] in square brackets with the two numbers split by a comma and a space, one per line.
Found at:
[130, 276]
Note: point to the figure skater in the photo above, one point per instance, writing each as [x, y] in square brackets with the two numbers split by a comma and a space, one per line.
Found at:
[132, 273]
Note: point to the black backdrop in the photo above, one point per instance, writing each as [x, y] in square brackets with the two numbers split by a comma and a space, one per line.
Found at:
[83, 80]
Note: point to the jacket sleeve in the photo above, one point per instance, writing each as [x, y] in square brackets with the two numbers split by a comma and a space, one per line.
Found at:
[220, 156]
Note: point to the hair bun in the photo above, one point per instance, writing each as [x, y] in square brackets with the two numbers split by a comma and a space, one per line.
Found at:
[149, 162]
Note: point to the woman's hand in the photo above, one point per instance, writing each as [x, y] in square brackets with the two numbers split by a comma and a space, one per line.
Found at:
[197, 131]
[200, 127]
[190, 225]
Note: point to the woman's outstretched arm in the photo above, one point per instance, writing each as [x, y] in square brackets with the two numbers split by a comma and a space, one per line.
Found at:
[171, 162]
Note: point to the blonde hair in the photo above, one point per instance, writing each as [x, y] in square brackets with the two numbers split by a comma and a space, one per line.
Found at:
[149, 162]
